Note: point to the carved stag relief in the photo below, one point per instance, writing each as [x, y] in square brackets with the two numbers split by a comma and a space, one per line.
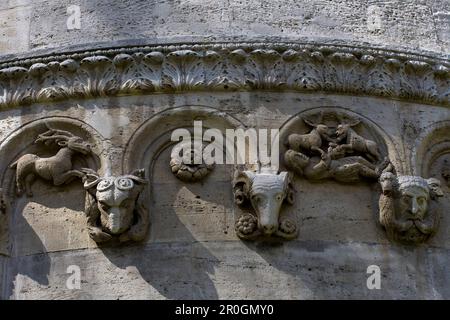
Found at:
[115, 206]
[409, 207]
[333, 151]
[264, 192]
[58, 168]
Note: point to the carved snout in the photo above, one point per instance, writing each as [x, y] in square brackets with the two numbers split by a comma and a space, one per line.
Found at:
[268, 217]
[115, 220]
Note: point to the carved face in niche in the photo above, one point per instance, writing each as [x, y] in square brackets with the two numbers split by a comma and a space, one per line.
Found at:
[415, 222]
[413, 202]
[116, 197]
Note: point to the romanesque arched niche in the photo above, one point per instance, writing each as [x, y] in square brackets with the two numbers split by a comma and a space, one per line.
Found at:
[431, 160]
[337, 156]
[181, 207]
[48, 216]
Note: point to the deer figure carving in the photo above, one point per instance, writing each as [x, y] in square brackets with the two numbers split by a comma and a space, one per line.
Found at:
[57, 168]
[311, 141]
[351, 141]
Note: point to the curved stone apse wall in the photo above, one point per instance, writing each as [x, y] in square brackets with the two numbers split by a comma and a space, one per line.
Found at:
[96, 202]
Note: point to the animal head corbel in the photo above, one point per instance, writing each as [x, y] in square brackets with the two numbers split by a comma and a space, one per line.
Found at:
[265, 192]
[115, 206]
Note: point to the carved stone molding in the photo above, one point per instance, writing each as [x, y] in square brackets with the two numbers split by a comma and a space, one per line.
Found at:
[263, 193]
[225, 67]
[409, 207]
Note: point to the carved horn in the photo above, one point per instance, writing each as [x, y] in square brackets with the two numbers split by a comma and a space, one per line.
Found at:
[53, 134]
[92, 178]
[354, 122]
[138, 176]
[59, 131]
[320, 118]
[241, 186]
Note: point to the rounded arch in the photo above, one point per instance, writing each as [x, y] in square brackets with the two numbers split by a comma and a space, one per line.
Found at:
[22, 141]
[367, 128]
[153, 136]
[432, 144]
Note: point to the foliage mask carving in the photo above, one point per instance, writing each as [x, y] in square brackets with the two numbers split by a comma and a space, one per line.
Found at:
[409, 207]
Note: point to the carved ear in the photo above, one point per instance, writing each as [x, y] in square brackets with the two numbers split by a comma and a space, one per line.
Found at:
[241, 186]
[91, 178]
[354, 123]
[289, 186]
[435, 187]
[309, 122]
[139, 173]
[138, 176]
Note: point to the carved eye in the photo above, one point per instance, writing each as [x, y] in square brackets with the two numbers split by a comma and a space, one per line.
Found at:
[106, 183]
[279, 197]
[124, 183]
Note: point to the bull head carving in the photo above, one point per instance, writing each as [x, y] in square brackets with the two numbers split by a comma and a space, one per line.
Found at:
[114, 207]
[265, 193]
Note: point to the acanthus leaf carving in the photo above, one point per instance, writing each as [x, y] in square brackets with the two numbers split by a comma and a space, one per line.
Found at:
[278, 66]
[96, 77]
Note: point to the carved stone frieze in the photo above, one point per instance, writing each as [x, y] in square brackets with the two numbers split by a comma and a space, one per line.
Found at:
[115, 207]
[409, 207]
[332, 149]
[58, 168]
[263, 193]
[254, 66]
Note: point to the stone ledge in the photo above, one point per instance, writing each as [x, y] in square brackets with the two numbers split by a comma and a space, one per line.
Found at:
[226, 67]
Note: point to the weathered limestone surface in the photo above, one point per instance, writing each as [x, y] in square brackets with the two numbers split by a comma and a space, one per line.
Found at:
[192, 224]
[412, 24]
[191, 249]
[294, 270]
